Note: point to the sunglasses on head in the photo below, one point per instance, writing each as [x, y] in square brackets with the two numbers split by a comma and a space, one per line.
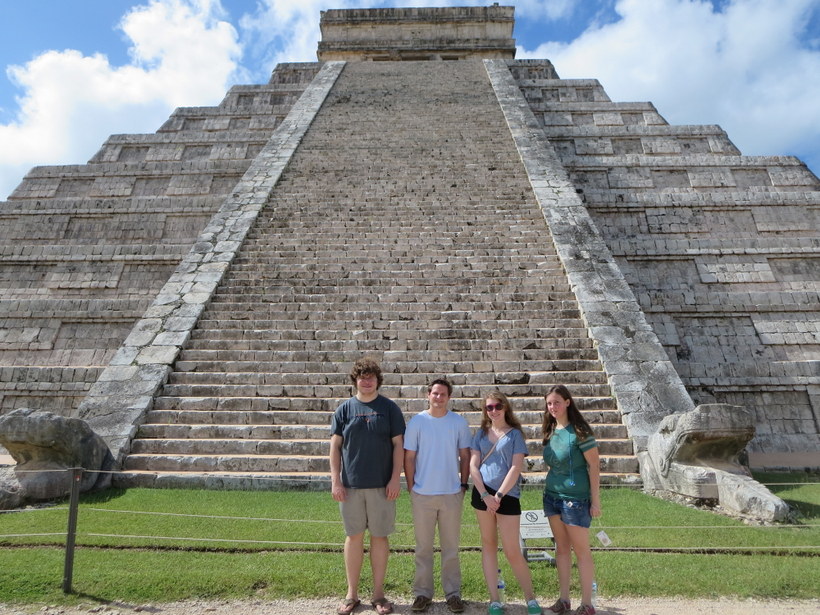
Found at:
[493, 407]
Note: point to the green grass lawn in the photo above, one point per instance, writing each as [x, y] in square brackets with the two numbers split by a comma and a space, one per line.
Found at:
[142, 545]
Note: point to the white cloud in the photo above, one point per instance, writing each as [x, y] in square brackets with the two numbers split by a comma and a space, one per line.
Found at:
[743, 67]
[288, 30]
[551, 9]
[181, 54]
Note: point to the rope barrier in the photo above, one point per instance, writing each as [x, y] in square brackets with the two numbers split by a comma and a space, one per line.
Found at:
[324, 546]
[34, 509]
[336, 521]
[526, 485]
[32, 535]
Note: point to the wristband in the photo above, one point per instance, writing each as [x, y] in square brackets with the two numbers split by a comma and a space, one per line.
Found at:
[465, 486]
[484, 495]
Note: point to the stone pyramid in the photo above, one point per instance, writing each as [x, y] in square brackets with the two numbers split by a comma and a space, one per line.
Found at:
[419, 196]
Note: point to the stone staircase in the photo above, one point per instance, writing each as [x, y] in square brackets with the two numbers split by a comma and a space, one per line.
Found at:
[404, 228]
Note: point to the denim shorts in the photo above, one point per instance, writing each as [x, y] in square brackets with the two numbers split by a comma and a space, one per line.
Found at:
[572, 512]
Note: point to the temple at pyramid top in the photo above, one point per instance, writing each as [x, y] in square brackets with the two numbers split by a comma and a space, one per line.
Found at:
[451, 33]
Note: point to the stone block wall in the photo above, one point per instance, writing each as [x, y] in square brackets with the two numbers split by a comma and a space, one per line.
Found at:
[720, 249]
[85, 248]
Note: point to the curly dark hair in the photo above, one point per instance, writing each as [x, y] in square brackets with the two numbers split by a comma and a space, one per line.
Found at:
[576, 419]
[366, 367]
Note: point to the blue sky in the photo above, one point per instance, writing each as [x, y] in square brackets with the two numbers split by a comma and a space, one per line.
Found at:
[77, 71]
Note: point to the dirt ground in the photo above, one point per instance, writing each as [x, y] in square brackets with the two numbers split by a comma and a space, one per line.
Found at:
[327, 606]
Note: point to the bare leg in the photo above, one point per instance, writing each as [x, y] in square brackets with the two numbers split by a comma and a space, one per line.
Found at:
[509, 527]
[354, 556]
[489, 551]
[563, 554]
[379, 553]
[579, 537]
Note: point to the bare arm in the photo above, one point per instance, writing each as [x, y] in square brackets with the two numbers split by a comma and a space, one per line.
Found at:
[594, 469]
[478, 482]
[475, 472]
[337, 489]
[409, 468]
[512, 474]
[464, 465]
[394, 486]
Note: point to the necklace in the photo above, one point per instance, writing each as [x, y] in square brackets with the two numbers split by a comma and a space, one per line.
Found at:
[499, 433]
[569, 454]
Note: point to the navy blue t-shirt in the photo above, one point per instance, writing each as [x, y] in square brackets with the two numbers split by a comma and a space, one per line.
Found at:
[367, 431]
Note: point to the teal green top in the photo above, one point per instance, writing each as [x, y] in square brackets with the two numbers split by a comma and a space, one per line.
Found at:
[568, 475]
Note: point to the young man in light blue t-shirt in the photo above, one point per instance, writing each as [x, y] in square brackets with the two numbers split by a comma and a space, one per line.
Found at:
[436, 466]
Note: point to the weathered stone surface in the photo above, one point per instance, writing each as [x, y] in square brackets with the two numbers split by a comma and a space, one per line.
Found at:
[431, 33]
[691, 269]
[47, 447]
[696, 454]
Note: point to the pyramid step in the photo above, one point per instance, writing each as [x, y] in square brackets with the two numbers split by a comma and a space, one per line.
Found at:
[509, 371]
[436, 349]
[579, 383]
[407, 361]
[587, 397]
[246, 268]
[264, 481]
[287, 447]
[303, 463]
[396, 295]
[610, 431]
[227, 463]
[409, 311]
[459, 277]
[190, 359]
[252, 432]
[449, 330]
[390, 386]
[391, 340]
[626, 463]
[270, 323]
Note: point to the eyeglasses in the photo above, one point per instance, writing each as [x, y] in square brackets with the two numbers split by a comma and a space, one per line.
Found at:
[494, 407]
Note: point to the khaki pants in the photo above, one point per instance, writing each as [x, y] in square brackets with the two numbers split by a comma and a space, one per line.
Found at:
[444, 511]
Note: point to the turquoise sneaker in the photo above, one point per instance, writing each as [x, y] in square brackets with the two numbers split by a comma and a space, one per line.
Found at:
[533, 608]
[496, 609]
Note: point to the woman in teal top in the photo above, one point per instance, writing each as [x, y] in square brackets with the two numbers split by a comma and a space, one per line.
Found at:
[571, 495]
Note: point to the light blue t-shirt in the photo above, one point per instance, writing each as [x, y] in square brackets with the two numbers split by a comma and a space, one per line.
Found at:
[498, 464]
[437, 442]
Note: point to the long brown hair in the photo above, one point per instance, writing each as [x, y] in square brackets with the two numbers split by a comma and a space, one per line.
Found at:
[509, 415]
[576, 419]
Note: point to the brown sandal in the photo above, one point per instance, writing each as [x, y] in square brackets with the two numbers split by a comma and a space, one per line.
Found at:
[348, 606]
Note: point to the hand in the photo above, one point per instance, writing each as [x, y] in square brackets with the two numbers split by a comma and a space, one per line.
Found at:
[338, 492]
[393, 489]
[595, 510]
[492, 503]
